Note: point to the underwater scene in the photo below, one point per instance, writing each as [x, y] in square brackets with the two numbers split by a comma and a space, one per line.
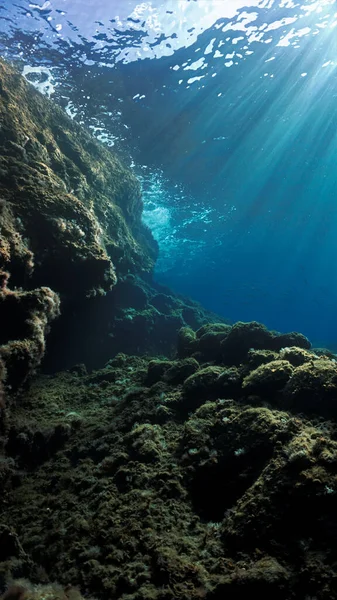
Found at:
[168, 294]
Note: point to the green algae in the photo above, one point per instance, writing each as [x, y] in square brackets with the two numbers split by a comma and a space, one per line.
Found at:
[134, 485]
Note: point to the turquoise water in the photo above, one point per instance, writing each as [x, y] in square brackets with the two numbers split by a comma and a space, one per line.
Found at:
[227, 111]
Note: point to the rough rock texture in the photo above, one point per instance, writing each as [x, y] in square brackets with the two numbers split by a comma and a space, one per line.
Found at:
[70, 212]
[187, 478]
[70, 221]
[207, 470]
[25, 318]
[25, 590]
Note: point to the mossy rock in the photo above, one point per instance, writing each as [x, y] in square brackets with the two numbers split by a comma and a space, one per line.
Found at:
[229, 382]
[187, 342]
[180, 370]
[255, 358]
[313, 388]
[210, 344]
[285, 340]
[156, 370]
[266, 578]
[241, 338]
[213, 328]
[268, 379]
[26, 316]
[245, 336]
[171, 371]
[70, 211]
[202, 385]
[296, 356]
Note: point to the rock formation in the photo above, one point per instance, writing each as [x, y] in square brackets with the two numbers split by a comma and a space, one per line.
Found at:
[187, 458]
[189, 478]
[70, 230]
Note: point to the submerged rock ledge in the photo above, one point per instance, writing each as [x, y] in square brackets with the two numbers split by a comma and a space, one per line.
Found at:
[186, 478]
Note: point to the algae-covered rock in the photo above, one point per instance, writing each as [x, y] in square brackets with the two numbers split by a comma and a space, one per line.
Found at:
[129, 490]
[241, 338]
[219, 328]
[70, 212]
[10, 545]
[268, 379]
[313, 387]
[265, 577]
[70, 221]
[227, 442]
[124, 320]
[34, 447]
[210, 344]
[147, 442]
[23, 589]
[26, 316]
[296, 356]
[282, 340]
[230, 382]
[181, 370]
[172, 372]
[202, 385]
[130, 293]
[164, 303]
[187, 342]
[324, 352]
[255, 358]
[245, 336]
[156, 370]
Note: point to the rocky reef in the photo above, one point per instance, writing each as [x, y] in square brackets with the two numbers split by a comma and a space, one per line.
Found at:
[160, 453]
[70, 219]
[70, 212]
[74, 245]
[194, 477]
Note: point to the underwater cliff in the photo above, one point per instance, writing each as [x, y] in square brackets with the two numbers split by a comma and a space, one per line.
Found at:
[149, 450]
[71, 231]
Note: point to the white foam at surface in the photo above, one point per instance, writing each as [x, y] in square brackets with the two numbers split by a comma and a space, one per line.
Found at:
[47, 85]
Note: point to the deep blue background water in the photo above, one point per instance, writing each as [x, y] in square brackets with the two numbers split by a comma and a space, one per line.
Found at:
[227, 111]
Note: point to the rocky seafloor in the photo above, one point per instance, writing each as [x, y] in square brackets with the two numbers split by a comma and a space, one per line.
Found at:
[213, 475]
[148, 449]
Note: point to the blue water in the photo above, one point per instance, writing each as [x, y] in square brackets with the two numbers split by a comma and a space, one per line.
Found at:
[227, 111]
